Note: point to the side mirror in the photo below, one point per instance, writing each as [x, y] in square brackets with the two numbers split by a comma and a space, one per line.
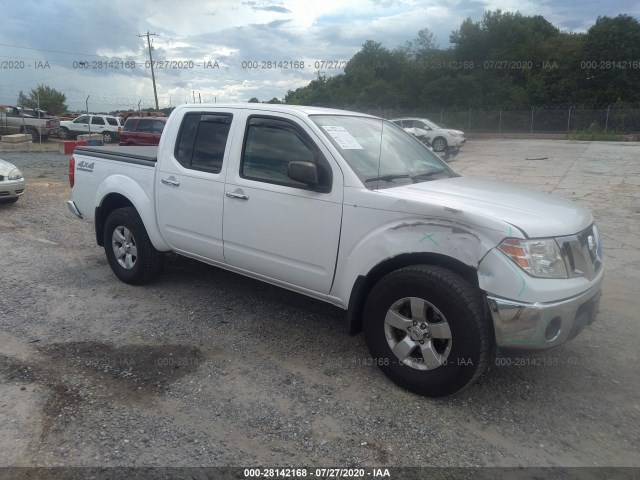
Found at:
[303, 172]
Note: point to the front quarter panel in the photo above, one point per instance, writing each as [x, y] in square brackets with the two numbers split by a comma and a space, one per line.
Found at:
[372, 234]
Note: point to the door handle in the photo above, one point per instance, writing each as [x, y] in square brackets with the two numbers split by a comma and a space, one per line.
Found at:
[240, 196]
[170, 181]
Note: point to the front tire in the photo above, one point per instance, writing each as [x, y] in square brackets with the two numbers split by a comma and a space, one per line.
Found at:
[65, 134]
[439, 144]
[130, 253]
[426, 329]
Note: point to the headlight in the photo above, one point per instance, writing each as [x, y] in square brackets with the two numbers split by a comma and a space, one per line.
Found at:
[539, 258]
[15, 174]
[453, 134]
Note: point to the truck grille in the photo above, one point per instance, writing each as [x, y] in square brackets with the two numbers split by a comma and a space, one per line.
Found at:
[582, 253]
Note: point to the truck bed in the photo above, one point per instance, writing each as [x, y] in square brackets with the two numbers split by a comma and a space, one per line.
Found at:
[130, 154]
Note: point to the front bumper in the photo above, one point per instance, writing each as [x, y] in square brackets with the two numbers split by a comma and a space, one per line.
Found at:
[456, 142]
[11, 188]
[542, 325]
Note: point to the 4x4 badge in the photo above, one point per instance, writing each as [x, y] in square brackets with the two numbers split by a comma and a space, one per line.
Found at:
[86, 166]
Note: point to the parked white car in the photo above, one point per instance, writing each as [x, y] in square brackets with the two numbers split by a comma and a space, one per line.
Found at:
[439, 138]
[107, 125]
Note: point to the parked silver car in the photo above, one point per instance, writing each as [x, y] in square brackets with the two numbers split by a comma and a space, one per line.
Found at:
[11, 182]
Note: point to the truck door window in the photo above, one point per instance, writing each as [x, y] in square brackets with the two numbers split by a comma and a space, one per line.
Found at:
[82, 119]
[97, 121]
[202, 141]
[270, 144]
[112, 121]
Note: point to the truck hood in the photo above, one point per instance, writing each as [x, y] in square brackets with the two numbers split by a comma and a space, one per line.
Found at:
[536, 214]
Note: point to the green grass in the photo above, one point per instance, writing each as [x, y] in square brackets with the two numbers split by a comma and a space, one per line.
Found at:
[591, 135]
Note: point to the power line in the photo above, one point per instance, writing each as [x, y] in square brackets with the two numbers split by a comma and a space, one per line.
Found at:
[50, 51]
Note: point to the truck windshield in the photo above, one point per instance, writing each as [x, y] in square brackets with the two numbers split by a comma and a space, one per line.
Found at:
[381, 153]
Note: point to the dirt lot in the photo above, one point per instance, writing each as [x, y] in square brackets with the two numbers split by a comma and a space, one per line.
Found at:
[205, 367]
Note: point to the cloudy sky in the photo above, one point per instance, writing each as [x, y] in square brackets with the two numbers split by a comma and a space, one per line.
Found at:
[219, 50]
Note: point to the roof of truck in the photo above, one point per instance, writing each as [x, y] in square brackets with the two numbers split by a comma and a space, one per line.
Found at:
[278, 107]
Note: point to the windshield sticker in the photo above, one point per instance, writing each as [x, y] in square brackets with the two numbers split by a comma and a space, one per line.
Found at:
[343, 138]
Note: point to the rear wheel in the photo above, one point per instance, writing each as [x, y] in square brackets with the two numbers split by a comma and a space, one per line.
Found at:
[107, 137]
[426, 329]
[34, 134]
[130, 253]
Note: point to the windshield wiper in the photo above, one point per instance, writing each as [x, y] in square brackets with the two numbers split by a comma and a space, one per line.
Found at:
[387, 178]
[424, 175]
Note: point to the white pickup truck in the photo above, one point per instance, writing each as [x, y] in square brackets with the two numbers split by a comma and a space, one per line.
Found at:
[437, 269]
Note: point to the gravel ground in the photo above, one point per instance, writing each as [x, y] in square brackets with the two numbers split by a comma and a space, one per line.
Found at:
[208, 368]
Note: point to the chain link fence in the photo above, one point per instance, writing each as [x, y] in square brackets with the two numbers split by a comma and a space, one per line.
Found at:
[533, 120]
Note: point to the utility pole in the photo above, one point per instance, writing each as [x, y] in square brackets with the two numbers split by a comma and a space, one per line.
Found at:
[153, 77]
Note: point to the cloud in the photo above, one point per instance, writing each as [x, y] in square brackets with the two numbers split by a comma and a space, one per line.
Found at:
[222, 40]
[266, 8]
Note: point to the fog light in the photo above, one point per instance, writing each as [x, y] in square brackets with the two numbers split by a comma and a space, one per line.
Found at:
[553, 329]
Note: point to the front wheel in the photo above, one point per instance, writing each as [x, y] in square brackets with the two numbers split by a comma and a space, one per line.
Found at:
[65, 134]
[439, 144]
[426, 329]
[130, 253]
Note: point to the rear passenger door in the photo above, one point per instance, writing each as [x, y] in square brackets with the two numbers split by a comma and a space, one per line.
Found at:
[190, 185]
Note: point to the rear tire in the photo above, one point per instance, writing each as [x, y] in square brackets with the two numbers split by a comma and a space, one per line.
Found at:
[130, 253]
[426, 329]
[34, 134]
[107, 137]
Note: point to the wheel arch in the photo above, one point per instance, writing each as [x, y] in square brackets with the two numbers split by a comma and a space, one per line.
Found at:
[111, 202]
[364, 283]
[30, 129]
[135, 198]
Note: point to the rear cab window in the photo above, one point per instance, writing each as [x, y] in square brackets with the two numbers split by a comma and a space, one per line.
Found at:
[202, 141]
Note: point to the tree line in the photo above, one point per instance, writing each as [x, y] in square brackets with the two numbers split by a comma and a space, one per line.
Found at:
[506, 60]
